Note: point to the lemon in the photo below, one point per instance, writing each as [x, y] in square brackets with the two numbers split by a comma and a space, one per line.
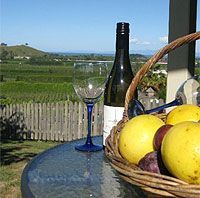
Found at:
[181, 151]
[136, 138]
[187, 112]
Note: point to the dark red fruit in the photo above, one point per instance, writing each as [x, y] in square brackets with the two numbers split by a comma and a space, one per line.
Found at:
[159, 135]
[152, 162]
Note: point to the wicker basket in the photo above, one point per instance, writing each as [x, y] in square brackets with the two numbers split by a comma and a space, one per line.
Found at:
[155, 183]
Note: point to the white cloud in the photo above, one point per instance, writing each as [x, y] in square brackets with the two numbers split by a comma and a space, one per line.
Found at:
[144, 43]
[138, 42]
[133, 40]
[163, 39]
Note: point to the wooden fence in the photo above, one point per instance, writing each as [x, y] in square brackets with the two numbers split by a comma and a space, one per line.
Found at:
[62, 121]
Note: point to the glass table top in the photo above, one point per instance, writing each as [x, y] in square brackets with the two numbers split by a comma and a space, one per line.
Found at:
[63, 171]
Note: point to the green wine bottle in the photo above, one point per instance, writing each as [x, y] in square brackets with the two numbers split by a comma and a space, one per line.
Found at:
[118, 82]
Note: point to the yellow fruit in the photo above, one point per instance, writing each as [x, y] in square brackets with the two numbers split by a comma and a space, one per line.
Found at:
[183, 113]
[136, 138]
[181, 151]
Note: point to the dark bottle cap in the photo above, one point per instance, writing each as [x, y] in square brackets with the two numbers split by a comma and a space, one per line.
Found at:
[122, 28]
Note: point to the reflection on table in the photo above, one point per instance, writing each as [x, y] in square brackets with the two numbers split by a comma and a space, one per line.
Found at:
[63, 171]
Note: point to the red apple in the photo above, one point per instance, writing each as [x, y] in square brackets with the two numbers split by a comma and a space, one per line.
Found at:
[159, 135]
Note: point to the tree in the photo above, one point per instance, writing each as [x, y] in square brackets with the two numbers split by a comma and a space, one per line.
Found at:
[3, 55]
[3, 44]
[11, 55]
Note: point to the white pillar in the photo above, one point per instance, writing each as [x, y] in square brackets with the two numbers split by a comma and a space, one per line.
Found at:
[181, 62]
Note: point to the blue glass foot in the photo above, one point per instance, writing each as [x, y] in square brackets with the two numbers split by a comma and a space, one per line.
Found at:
[89, 147]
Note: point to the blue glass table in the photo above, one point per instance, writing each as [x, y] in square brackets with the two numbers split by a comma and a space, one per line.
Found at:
[65, 172]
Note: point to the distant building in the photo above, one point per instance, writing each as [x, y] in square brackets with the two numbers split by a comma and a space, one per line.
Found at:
[162, 71]
[150, 92]
[22, 57]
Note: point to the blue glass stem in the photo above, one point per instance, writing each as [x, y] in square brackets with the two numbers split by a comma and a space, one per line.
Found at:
[170, 104]
[89, 112]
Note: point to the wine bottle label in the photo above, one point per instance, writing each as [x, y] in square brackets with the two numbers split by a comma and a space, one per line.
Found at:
[112, 115]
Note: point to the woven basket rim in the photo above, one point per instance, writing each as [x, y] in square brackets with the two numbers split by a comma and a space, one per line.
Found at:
[155, 183]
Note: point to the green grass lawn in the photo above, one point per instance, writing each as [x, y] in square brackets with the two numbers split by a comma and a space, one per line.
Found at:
[14, 156]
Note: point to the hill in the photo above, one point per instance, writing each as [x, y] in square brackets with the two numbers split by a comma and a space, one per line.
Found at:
[138, 56]
[20, 51]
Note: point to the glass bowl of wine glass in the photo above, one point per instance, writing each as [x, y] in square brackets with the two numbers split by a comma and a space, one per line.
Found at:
[89, 79]
[189, 91]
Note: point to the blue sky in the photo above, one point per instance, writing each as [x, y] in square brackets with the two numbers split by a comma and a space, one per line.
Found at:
[84, 25]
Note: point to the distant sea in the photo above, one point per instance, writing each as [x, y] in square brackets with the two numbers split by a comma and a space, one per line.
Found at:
[147, 53]
[105, 53]
[81, 53]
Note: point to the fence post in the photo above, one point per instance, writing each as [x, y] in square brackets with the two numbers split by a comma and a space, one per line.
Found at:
[65, 121]
[100, 118]
[85, 128]
[70, 120]
[61, 122]
[48, 131]
[95, 119]
[80, 120]
[56, 122]
[52, 121]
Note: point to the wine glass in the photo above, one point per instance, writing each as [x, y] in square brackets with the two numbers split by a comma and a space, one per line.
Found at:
[89, 79]
[188, 93]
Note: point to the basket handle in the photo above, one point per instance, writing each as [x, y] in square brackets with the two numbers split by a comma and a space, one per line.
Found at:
[154, 59]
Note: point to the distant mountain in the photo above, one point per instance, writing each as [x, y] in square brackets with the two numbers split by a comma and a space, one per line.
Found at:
[22, 51]
[138, 56]
[144, 52]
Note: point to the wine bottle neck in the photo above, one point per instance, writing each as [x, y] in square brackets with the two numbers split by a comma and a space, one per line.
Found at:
[122, 42]
[122, 49]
